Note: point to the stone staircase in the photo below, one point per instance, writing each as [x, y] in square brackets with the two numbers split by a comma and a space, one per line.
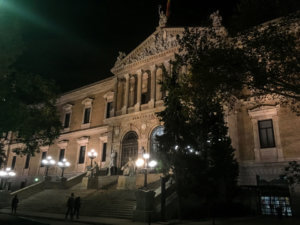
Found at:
[110, 203]
[101, 203]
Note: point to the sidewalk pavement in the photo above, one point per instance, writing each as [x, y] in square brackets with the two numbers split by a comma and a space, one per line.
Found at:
[82, 219]
[258, 220]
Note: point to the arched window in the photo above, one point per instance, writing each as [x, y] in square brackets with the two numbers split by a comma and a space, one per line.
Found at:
[158, 131]
[129, 147]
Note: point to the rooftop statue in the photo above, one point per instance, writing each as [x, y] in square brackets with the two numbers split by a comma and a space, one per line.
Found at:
[216, 19]
[162, 17]
[121, 56]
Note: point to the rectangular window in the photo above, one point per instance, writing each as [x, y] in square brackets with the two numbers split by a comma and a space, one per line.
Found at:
[108, 109]
[67, 120]
[103, 159]
[87, 112]
[13, 163]
[61, 155]
[44, 155]
[266, 134]
[81, 155]
[27, 162]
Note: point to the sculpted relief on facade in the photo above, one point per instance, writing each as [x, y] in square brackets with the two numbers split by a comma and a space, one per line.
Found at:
[159, 42]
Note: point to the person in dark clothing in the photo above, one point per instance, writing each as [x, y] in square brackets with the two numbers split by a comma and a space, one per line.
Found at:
[14, 204]
[77, 207]
[70, 206]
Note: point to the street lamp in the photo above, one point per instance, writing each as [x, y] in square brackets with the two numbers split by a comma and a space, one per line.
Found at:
[92, 154]
[144, 162]
[63, 165]
[5, 175]
[48, 162]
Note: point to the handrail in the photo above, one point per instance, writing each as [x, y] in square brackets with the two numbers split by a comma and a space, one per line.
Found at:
[29, 190]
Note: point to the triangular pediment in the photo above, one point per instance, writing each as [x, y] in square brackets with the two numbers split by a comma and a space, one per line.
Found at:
[163, 39]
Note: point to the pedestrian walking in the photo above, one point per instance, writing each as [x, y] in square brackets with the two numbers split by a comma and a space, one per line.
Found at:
[70, 206]
[77, 207]
[14, 204]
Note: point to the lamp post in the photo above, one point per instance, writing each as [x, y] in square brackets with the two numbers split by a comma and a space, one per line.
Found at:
[92, 154]
[63, 165]
[5, 175]
[144, 162]
[48, 162]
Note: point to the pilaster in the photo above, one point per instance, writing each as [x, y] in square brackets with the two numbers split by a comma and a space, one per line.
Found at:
[139, 91]
[125, 106]
[153, 86]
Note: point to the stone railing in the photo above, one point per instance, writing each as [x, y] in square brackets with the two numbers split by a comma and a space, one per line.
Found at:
[66, 183]
[29, 190]
[169, 205]
[156, 205]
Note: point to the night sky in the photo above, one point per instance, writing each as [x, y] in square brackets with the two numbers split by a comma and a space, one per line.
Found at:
[76, 42]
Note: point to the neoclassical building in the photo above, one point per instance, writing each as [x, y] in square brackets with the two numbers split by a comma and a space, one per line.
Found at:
[119, 114]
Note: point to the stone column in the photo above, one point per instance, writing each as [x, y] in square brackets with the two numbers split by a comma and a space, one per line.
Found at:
[124, 109]
[169, 70]
[114, 111]
[153, 84]
[139, 91]
[132, 89]
[158, 78]
[119, 94]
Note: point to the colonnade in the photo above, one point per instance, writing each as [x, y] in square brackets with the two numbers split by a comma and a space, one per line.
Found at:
[139, 89]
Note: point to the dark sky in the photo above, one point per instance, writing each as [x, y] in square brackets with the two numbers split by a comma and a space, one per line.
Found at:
[76, 42]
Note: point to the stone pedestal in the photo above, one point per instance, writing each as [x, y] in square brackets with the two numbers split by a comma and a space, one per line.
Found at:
[126, 183]
[144, 206]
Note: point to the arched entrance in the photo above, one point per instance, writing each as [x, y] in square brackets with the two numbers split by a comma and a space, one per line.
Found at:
[129, 147]
[158, 131]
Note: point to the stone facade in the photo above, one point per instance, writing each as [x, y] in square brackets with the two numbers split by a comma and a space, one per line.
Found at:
[119, 113]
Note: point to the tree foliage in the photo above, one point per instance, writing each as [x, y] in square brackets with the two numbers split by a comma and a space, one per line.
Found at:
[27, 101]
[250, 13]
[292, 173]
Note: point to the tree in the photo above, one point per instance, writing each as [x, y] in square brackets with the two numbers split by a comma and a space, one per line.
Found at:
[27, 101]
[212, 72]
[196, 147]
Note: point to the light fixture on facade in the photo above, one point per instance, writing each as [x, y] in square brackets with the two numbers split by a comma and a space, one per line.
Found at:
[92, 154]
[5, 175]
[48, 162]
[144, 162]
[63, 165]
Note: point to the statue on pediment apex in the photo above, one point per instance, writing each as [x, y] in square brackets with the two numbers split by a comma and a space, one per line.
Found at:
[121, 56]
[216, 19]
[162, 17]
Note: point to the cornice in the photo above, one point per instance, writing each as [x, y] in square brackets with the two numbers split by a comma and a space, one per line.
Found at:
[85, 91]
[83, 132]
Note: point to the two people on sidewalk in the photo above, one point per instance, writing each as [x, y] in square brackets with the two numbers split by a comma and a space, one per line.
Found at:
[73, 207]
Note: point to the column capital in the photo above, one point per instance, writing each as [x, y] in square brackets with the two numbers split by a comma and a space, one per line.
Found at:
[153, 68]
[139, 72]
[126, 76]
[166, 63]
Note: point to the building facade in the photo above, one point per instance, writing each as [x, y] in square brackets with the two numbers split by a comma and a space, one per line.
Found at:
[119, 114]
